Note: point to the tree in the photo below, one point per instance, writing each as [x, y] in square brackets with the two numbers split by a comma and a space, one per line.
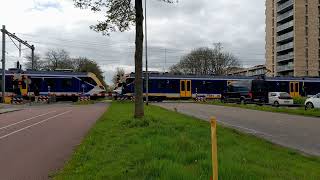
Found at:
[58, 59]
[119, 76]
[120, 16]
[83, 64]
[37, 62]
[206, 61]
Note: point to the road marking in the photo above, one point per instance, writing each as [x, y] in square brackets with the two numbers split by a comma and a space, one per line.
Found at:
[248, 130]
[244, 128]
[26, 120]
[14, 132]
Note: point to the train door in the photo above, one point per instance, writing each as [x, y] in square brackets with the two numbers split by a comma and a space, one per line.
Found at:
[185, 88]
[294, 89]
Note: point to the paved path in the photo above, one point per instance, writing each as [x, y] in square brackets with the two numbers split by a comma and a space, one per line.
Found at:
[297, 132]
[37, 141]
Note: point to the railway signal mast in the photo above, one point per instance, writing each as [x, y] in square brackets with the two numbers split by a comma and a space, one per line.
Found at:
[11, 35]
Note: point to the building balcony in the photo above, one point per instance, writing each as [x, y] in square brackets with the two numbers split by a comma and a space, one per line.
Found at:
[285, 16]
[285, 47]
[285, 37]
[285, 6]
[283, 68]
[285, 26]
[281, 1]
[285, 57]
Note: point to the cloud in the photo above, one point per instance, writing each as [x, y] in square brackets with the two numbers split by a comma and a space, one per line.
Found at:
[173, 30]
[44, 5]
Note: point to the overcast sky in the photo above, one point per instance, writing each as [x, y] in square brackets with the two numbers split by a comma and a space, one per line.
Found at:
[173, 30]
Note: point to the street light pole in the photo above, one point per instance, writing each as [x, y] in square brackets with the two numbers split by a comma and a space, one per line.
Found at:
[146, 46]
[3, 85]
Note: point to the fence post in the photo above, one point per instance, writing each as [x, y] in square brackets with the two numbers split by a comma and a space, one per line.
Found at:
[213, 121]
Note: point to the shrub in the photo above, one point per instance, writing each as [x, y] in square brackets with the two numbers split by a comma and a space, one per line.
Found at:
[299, 100]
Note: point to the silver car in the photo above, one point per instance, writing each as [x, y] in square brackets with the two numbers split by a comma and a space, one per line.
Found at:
[280, 99]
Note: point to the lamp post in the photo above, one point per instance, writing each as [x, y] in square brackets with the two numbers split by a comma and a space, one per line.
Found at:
[146, 46]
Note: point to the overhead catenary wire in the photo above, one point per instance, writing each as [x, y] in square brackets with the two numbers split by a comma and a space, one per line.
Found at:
[104, 51]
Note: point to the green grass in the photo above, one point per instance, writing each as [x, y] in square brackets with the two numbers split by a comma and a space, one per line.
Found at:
[168, 145]
[286, 110]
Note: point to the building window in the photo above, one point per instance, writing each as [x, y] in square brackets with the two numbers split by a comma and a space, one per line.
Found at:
[307, 31]
[307, 42]
[306, 20]
[306, 9]
[307, 54]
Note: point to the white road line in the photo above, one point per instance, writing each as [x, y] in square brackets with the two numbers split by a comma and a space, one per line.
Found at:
[26, 120]
[14, 132]
[244, 128]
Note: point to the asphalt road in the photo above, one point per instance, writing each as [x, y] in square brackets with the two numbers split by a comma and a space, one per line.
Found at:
[37, 141]
[297, 132]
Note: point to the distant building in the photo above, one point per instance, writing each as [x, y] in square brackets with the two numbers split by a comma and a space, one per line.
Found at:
[292, 37]
[253, 71]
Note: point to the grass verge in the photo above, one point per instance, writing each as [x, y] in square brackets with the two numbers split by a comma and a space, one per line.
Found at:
[169, 145]
[286, 110]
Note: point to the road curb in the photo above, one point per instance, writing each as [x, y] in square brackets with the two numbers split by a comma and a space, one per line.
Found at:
[9, 111]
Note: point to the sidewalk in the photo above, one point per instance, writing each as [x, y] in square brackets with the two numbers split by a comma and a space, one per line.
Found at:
[4, 108]
[7, 110]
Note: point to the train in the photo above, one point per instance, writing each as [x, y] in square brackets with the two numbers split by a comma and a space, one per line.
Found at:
[64, 85]
[163, 86]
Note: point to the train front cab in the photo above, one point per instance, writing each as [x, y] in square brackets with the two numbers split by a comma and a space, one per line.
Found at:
[185, 89]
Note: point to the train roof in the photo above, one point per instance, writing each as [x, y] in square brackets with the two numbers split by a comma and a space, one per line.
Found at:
[47, 73]
[175, 76]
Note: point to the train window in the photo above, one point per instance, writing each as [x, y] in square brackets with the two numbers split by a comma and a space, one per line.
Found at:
[88, 80]
[36, 82]
[51, 83]
[239, 86]
[183, 86]
[130, 80]
[162, 84]
[209, 87]
[67, 83]
[258, 86]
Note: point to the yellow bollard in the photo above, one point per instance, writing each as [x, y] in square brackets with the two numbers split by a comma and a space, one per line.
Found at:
[214, 148]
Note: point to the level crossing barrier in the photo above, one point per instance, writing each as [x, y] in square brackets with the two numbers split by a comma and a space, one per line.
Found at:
[200, 99]
[84, 98]
[17, 100]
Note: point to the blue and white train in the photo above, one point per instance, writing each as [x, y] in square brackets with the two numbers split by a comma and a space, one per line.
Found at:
[62, 85]
[168, 86]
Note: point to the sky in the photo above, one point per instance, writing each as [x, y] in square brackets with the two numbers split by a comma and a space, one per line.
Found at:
[173, 31]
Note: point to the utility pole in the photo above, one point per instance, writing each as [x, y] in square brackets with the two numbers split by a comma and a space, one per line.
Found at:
[165, 59]
[146, 44]
[11, 35]
[3, 85]
[32, 57]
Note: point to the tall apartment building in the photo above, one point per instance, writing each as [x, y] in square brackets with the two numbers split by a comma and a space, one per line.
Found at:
[292, 37]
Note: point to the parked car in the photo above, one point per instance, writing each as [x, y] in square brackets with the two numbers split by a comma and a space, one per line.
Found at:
[313, 102]
[280, 99]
